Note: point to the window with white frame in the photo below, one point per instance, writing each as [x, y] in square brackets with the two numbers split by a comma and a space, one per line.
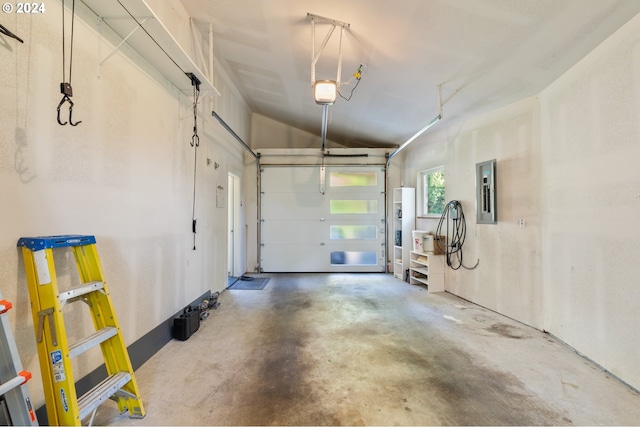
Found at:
[431, 192]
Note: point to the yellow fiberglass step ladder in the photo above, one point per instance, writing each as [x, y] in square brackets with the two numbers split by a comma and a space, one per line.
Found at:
[15, 402]
[55, 353]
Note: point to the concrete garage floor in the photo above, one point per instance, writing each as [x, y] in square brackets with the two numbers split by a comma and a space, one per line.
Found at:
[368, 349]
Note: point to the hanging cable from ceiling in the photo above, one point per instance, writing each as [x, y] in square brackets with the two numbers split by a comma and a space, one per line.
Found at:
[65, 87]
[357, 75]
[195, 143]
[455, 234]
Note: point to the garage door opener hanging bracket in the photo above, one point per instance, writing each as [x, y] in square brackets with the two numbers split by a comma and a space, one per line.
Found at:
[316, 56]
[65, 87]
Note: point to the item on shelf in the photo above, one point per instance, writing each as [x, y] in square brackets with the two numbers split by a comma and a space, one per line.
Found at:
[418, 240]
[398, 237]
[434, 244]
[427, 242]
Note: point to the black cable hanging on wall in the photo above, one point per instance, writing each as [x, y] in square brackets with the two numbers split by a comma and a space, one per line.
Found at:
[456, 232]
[195, 142]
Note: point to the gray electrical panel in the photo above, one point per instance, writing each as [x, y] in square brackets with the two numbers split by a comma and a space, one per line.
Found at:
[486, 205]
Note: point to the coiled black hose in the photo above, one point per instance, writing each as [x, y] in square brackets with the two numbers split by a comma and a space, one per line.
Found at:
[456, 232]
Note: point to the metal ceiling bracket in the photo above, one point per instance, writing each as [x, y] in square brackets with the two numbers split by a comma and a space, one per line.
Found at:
[323, 20]
[117, 48]
[203, 59]
[339, 72]
[315, 57]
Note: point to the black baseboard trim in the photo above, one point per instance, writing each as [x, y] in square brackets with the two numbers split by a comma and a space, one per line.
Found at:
[139, 352]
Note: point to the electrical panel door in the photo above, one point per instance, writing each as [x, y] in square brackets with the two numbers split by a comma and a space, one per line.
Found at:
[486, 204]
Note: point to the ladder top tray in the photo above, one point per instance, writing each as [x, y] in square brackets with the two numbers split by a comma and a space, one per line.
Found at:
[39, 243]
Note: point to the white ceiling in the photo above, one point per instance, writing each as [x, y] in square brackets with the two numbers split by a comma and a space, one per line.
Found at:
[484, 53]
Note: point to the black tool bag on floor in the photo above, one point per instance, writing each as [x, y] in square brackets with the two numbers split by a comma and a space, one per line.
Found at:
[187, 324]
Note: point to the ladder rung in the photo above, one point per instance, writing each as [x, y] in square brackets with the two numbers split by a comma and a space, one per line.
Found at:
[11, 384]
[79, 291]
[91, 341]
[97, 395]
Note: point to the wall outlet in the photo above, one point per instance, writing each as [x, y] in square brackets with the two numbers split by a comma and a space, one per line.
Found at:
[522, 223]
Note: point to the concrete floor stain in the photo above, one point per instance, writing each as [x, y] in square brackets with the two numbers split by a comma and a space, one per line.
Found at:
[505, 330]
[456, 390]
[367, 350]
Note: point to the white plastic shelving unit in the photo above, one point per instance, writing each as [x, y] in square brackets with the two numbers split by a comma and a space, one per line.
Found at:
[427, 269]
[404, 219]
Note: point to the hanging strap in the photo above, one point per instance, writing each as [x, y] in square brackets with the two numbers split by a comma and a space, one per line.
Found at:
[195, 142]
[65, 87]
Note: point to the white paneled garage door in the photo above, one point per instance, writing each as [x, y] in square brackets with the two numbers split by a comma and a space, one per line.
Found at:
[304, 230]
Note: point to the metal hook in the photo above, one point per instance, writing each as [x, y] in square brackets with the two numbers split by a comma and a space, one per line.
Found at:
[62, 101]
[67, 92]
[195, 140]
[70, 113]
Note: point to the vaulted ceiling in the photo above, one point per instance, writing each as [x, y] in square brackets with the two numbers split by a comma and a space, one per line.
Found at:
[482, 53]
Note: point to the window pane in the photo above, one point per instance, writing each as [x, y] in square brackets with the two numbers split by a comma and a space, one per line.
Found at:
[425, 193]
[353, 179]
[435, 192]
[354, 258]
[353, 206]
[340, 232]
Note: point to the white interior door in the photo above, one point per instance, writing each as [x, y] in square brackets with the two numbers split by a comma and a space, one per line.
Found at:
[315, 221]
[234, 258]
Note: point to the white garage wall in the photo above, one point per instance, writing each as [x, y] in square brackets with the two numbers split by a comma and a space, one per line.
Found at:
[125, 175]
[591, 217]
[567, 164]
[268, 133]
[508, 278]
